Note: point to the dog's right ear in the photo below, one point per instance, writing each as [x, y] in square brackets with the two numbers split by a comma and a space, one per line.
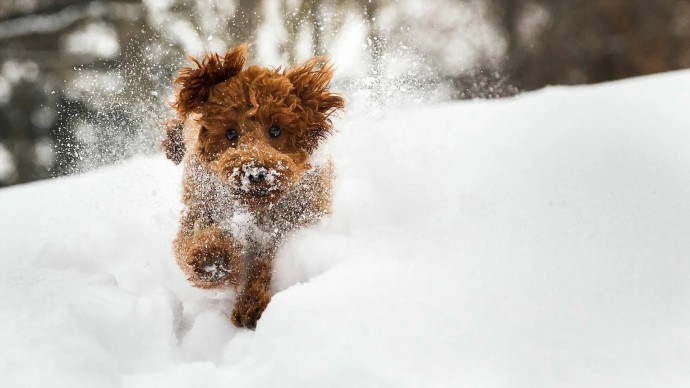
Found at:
[210, 70]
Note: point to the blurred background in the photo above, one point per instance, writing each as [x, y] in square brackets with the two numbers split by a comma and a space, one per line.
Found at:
[85, 83]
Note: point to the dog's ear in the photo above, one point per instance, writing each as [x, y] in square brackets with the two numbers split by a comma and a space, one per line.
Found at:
[211, 70]
[310, 81]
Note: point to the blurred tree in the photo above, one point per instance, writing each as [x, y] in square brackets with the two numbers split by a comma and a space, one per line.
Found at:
[35, 67]
[25, 134]
[90, 79]
[566, 42]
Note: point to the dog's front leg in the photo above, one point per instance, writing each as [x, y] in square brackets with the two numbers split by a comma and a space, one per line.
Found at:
[256, 294]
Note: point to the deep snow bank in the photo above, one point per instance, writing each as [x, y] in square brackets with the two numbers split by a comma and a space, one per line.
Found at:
[539, 241]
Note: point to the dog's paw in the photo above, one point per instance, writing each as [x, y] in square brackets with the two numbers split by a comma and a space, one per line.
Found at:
[173, 142]
[214, 266]
[249, 308]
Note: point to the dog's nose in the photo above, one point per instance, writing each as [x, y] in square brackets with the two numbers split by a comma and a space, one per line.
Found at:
[257, 176]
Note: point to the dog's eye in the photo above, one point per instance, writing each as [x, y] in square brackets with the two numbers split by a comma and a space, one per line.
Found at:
[274, 131]
[232, 134]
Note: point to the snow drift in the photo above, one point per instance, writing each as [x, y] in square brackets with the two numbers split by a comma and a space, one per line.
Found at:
[539, 241]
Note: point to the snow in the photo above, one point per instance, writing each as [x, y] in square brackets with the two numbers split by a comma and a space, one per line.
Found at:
[538, 241]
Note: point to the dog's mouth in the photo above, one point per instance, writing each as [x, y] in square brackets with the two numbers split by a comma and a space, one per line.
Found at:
[258, 198]
[260, 193]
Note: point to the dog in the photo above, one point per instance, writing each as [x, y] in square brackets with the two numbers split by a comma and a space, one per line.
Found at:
[246, 138]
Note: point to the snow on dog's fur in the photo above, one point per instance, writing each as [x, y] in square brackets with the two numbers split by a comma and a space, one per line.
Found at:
[246, 137]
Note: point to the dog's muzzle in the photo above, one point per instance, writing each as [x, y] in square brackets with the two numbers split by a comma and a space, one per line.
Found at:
[257, 181]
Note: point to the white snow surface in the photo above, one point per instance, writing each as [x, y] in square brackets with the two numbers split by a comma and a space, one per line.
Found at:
[538, 241]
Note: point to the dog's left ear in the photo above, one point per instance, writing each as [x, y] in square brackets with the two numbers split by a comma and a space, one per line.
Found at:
[210, 70]
[310, 81]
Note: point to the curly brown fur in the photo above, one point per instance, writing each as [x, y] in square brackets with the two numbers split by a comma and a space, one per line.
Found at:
[173, 143]
[210, 70]
[243, 195]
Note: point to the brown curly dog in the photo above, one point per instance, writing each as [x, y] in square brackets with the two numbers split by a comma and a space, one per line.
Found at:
[246, 137]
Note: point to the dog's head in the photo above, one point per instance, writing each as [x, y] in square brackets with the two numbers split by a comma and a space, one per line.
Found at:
[257, 126]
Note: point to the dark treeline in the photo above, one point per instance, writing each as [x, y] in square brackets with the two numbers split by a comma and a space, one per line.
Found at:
[55, 82]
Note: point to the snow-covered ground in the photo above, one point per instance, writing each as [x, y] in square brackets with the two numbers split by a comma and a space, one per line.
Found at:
[539, 241]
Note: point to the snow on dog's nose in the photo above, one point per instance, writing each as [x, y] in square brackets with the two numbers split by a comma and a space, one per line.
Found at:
[257, 177]
[256, 180]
